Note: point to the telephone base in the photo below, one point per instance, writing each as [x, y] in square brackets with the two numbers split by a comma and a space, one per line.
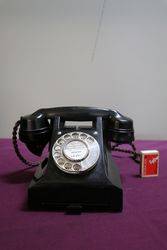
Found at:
[98, 188]
[95, 191]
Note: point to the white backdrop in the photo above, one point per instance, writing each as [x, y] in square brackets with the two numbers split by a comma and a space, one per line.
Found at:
[105, 53]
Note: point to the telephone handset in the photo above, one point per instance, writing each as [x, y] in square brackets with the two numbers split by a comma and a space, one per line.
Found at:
[79, 172]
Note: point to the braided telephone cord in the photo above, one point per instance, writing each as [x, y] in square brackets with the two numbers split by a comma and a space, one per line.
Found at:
[133, 152]
[16, 147]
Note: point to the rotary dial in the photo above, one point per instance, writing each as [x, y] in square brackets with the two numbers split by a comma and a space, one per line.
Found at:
[75, 152]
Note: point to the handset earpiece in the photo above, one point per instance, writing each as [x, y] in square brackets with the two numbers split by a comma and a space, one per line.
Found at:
[120, 128]
[35, 132]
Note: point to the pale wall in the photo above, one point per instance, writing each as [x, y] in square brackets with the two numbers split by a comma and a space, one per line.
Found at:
[53, 53]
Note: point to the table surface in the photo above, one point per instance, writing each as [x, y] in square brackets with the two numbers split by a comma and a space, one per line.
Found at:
[141, 225]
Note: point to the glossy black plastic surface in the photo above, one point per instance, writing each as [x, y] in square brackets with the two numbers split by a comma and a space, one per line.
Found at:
[98, 189]
[120, 128]
[35, 130]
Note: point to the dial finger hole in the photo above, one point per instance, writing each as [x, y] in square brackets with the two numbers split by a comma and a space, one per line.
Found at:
[57, 154]
[61, 142]
[83, 136]
[57, 148]
[90, 140]
[61, 161]
[76, 167]
[75, 135]
[67, 137]
[68, 165]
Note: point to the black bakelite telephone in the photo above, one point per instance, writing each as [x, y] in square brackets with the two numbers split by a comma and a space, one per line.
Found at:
[79, 173]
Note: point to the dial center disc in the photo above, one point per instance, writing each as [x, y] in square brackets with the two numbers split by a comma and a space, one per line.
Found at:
[75, 150]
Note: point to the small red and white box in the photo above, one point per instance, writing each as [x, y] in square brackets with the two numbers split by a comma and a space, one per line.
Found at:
[149, 163]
